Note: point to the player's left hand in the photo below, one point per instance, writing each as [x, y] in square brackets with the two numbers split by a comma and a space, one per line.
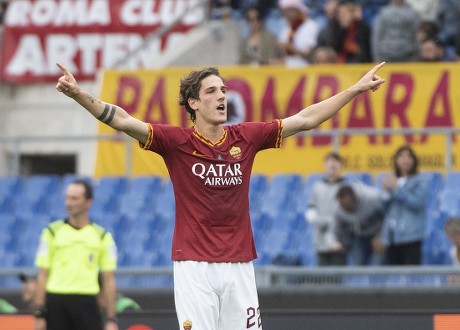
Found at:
[67, 83]
[371, 81]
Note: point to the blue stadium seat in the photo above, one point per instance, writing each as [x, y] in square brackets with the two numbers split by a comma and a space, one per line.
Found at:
[449, 202]
[11, 185]
[141, 195]
[8, 236]
[7, 204]
[290, 222]
[107, 192]
[163, 259]
[163, 242]
[257, 188]
[36, 194]
[262, 259]
[452, 180]
[436, 248]
[137, 234]
[57, 208]
[303, 246]
[303, 196]
[275, 242]
[260, 222]
[166, 205]
[280, 195]
[39, 184]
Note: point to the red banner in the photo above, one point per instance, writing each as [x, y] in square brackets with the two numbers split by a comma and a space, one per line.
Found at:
[86, 35]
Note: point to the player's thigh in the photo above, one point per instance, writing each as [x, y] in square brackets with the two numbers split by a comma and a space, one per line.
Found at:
[239, 300]
[195, 297]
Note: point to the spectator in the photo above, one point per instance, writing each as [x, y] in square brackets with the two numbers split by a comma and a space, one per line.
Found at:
[324, 55]
[431, 50]
[426, 30]
[452, 229]
[358, 219]
[448, 20]
[70, 256]
[348, 34]
[260, 46]
[404, 225]
[3, 6]
[28, 290]
[394, 36]
[427, 9]
[320, 213]
[299, 38]
[330, 13]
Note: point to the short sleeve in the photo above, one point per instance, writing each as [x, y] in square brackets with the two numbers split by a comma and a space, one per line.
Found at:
[44, 251]
[108, 261]
[264, 135]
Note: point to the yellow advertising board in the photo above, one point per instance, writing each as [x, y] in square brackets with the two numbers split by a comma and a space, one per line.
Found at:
[414, 96]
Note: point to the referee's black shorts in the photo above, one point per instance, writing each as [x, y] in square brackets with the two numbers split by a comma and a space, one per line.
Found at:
[73, 312]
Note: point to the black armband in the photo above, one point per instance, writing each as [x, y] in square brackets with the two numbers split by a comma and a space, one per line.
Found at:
[40, 312]
[111, 319]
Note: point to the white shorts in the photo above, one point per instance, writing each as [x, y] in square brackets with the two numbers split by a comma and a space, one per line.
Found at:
[216, 295]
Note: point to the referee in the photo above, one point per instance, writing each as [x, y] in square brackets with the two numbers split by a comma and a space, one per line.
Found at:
[70, 256]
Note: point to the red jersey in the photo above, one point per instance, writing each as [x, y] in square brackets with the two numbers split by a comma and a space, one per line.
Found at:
[211, 187]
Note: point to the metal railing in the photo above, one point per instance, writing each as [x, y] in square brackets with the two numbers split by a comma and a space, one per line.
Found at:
[298, 278]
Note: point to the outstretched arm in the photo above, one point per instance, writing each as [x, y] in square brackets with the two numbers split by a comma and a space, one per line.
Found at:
[316, 114]
[110, 114]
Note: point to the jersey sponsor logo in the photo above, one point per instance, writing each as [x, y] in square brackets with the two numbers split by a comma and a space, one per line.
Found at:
[219, 174]
[235, 151]
[187, 325]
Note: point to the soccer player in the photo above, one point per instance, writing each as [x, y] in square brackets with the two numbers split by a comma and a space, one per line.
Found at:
[210, 168]
[70, 255]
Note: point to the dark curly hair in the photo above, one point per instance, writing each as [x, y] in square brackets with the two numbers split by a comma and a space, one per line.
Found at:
[190, 87]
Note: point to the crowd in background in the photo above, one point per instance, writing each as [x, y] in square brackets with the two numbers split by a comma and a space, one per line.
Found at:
[299, 32]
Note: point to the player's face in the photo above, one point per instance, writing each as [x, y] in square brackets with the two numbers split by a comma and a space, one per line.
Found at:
[212, 105]
[75, 200]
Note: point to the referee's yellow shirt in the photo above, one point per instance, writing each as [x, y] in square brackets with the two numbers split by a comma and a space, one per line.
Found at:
[74, 257]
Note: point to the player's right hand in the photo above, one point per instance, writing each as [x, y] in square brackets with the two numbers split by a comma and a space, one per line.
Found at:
[67, 83]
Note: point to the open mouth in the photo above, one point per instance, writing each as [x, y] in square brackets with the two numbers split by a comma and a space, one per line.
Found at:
[221, 107]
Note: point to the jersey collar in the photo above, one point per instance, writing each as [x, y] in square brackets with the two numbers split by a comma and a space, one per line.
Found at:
[209, 142]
